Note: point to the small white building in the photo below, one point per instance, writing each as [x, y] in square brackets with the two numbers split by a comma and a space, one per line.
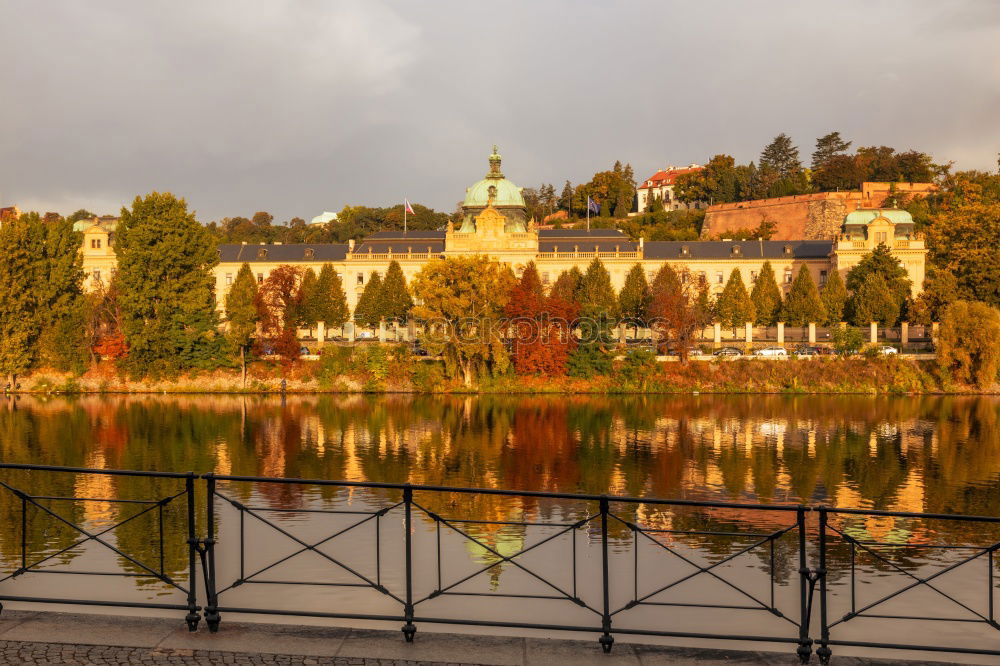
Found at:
[661, 185]
[327, 216]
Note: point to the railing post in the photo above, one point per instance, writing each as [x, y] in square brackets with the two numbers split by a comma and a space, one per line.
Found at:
[212, 617]
[409, 629]
[192, 616]
[805, 597]
[823, 651]
[606, 640]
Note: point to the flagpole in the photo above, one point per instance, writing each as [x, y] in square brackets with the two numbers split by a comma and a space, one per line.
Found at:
[588, 214]
[404, 216]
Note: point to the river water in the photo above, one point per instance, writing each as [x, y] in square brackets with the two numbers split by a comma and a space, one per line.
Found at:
[937, 454]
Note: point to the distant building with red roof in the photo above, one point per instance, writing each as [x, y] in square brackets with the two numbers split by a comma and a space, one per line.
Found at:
[661, 185]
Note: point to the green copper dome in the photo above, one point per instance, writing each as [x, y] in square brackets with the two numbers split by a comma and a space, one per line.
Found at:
[505, 193]
[866, 216]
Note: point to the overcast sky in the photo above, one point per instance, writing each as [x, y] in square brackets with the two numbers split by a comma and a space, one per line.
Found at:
[300, 106]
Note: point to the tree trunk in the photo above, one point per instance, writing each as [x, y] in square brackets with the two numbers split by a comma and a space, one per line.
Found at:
[243, 364]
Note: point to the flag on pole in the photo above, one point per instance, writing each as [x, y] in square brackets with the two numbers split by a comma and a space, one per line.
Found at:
[409, 208]
[592, 206]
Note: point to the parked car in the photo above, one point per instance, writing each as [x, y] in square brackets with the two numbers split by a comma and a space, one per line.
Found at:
[887, 350]
[771, 352]
[304, 351]
[417, 350]
[365, 335]
[727, 351]
[807, 350]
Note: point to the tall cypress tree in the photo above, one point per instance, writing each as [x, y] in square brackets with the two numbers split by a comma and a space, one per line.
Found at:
[803, 304]
[874, 301]
[396, 301]
[308, 312]
[241, 314]
[368, 310]
[166, 287]
[597, 296]
[834, 295]
[59, 295]
[734, 307]
[766, 297]
[567, 286]
[332, 307]
[635, 297]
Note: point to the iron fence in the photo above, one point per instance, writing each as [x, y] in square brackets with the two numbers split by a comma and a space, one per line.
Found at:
[606, 565]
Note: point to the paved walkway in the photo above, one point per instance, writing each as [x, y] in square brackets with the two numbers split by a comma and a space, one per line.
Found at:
[63, 638]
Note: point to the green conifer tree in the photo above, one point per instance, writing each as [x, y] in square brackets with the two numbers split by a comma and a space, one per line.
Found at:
[803, 304]
[665, 280]
[635, 297]
[331, 301]
[308, 311]
[873, 301]
[396, 301]
[368, 311]
[567, 286]
[166, 287]
[766, 297]
[242, 315]
[597, 296]
[834, 295]
[19, 316]
[734, 307]
[59, 295]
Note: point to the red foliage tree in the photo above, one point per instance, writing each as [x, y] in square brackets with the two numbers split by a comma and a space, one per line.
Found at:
[541, 327]
[279, 303]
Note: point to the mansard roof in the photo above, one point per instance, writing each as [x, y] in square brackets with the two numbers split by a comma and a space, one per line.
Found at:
[545, 234]
[281, 253]
[749, 249]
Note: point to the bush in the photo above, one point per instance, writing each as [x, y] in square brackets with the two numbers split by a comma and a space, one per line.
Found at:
[637, 368]
[969, 342]
[848, 340]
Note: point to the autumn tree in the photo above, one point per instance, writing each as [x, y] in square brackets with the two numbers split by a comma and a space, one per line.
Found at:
[941, 289]
[279, 305]
[166, 288]
[634, 299]
[676, 311]
[881, 262]
[462, 302]
[834, 295]
[242, 314]
[368, 311]
[308, 315]
[540, 326]
[766, 297]
[968, 343]
[734, 307]
[567, 285]
[803, 304]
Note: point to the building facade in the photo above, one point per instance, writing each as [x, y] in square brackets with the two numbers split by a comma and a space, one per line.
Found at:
[493, 224]
[661, 186]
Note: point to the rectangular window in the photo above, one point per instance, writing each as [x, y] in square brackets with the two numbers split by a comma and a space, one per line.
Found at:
[260, 278]
[229, 278]
[702, 278]
[822, 278]
[545, 278]
[719, 277]
[753, 277]
[361, 278]
[684, 277]
[880, 237]
[788, 276]
[95, 243]
[97, 275]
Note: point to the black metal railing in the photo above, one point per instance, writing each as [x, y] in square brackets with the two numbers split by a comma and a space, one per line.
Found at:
[607, 565]
[55, 504]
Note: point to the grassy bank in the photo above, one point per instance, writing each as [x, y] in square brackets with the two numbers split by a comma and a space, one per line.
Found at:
[384, 369]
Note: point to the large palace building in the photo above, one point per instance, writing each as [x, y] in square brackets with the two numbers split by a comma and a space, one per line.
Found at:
[494, 223]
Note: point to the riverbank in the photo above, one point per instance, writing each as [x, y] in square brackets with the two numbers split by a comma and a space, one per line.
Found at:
[375, 371]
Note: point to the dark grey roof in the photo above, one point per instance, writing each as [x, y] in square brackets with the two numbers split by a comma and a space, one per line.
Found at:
[622, 244]
[400, 245]
[580, 233]
[232, 252]
[408, 235]
[751, 249]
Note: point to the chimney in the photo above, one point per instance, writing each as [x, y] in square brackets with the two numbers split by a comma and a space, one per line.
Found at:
[350, 245]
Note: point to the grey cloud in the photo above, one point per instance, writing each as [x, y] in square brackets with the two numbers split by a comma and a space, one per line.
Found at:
[300, 106]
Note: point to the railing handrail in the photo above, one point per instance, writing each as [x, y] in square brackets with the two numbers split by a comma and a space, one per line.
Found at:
[91, 470]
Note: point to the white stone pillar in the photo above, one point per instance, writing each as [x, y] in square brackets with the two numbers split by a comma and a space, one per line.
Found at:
[812, 332]
[321, 332]
[904, 334]
[873, 327]
[350, 331]
[781, 332]
[749, 333]
[717, 333]
[381, 331]
[935, 329]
